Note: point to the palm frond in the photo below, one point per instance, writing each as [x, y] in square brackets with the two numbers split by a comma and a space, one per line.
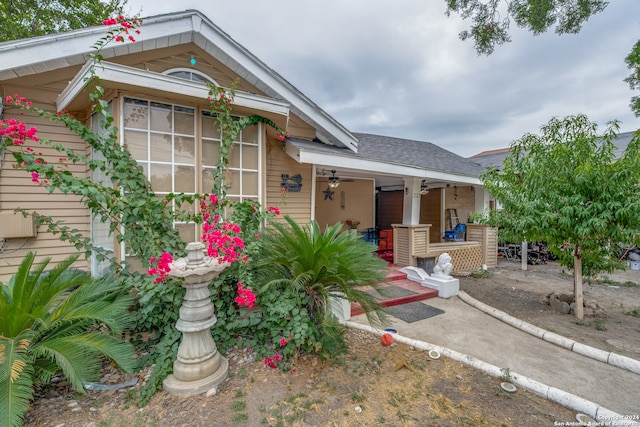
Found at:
[74, 359]
[317, 263]
[15, 380]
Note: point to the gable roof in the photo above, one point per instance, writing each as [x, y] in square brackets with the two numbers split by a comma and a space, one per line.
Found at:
[47, 53]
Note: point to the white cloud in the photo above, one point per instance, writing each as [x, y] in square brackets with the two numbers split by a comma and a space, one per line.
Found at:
[398, 68]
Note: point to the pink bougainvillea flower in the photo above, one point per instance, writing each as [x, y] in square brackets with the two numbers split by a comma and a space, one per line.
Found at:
[160, 267]
[283, 342]
[274, 209]
[269, 362]
[245, 296]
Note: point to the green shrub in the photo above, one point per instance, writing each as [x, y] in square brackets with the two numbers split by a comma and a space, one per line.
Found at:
[298, 268]
[49, 325]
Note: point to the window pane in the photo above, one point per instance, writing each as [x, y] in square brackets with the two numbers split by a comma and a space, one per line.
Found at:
[185, 207]
[135, 113]
[229, 211]
[185, 151]
[210, 127]
[185, 177]
[145, 169]
[234, 156]
[187, 232]
[250, 157]
[136, 143]
[184, 120]
[233, 182]
[207, 180]
[210, 153]
[250, 134]
[161, 178]
[249, 183]
[160, 147]
[160, 117]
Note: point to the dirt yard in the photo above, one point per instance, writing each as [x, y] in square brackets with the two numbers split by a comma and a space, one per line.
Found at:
[375, 385]
[519, 293]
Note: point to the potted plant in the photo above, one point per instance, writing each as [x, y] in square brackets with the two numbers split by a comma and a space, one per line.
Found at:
[353, 224]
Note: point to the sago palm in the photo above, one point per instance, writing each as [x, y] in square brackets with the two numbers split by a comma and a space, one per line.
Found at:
[316, 265]
[59, 321]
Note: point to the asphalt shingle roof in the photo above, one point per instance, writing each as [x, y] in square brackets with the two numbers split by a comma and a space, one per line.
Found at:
[495, 158]
[399, 151]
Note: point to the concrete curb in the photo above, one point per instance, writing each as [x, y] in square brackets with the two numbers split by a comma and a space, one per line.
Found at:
[607, 357]
[568, 400]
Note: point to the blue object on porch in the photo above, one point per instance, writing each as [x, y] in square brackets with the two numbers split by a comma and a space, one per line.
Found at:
[371, 235]
[459, 233]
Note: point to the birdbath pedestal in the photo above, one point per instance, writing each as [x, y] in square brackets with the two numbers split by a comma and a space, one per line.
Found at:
[199, 366]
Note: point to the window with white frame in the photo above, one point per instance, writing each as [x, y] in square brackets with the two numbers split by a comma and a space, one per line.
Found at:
[178, 154]
[101, 236]
[162, 139]
[243, 177]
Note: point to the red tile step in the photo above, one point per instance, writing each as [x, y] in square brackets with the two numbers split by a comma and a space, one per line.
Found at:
[399, 279]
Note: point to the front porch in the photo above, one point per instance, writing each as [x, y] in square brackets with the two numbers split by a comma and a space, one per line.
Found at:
[412, 247]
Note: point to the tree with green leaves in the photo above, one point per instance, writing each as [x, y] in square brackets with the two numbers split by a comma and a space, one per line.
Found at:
[30, 18]
[566, 187]
[491, 20]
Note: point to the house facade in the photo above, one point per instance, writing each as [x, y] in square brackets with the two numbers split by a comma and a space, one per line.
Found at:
[157, 93]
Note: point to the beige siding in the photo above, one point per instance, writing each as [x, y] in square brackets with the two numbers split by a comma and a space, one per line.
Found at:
[165, 59]
[18, 191]
[295, 204]
[353, 200]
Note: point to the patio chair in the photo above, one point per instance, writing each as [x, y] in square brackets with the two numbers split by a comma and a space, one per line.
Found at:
[458, 234]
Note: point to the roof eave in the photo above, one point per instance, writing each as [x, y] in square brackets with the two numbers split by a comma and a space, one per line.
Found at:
[312, 157]
[120, 76]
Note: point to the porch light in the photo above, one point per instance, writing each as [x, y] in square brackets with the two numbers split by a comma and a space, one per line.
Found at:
[424, 188]
[334, 181]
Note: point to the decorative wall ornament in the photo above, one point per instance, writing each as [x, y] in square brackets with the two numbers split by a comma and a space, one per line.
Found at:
[292, 184]
[328, 194]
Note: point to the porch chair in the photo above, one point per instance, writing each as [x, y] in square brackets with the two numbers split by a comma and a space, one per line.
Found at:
[458, 234]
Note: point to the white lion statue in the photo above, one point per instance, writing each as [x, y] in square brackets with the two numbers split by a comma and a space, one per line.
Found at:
[444, 266]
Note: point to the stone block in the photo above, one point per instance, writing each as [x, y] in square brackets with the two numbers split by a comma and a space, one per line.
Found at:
[558, 305]
[446, 287]
[568, 298]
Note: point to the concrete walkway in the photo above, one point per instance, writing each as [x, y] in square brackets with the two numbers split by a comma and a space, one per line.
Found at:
[470, 331]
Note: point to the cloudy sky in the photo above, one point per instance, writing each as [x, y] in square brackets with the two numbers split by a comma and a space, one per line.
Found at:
[398, 68]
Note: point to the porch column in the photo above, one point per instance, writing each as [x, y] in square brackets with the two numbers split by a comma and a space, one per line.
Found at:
[481, 198]
[411, 207]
